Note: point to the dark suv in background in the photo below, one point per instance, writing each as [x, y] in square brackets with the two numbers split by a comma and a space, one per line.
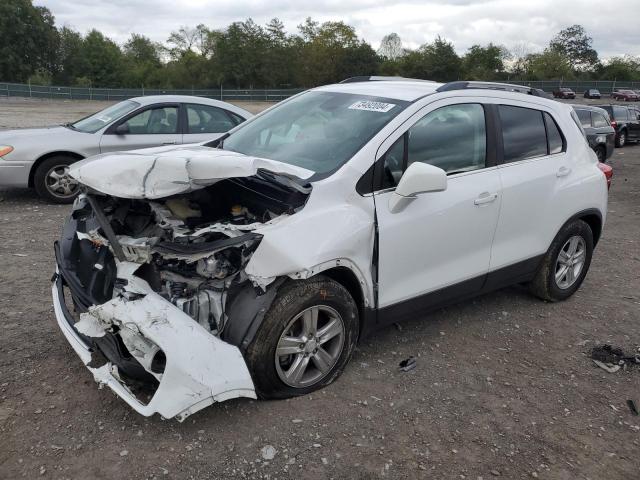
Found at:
[600, 134]
[592, 93]
[564, 92]
[626, 122]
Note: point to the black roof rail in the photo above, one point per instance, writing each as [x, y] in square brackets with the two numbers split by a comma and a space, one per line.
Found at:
[509, 87]
[381, 78]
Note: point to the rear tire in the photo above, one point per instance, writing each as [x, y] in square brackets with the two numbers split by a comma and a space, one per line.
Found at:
[601, 153]
[281, 342]
[621, 139]
[565, 264]
[52, 181]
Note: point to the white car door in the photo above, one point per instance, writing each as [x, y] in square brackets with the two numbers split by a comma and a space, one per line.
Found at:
[207, 123]
[536, 176]
[440, 239]
[152, 126]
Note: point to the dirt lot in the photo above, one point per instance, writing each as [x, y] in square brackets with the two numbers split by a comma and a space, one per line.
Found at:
[503, 385]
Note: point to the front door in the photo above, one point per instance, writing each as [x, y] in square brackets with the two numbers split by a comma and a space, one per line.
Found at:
[151, 127]
[440, 239]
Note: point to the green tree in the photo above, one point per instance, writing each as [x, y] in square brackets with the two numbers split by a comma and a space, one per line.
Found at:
[620, 68]
[71, 62]
[576, 46]
[105, 65]
[433, 61]
[143, 63]
[484, 63]
[28, 40]
[548, 65]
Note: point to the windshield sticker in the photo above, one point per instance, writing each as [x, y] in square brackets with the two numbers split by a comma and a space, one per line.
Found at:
[370, 106]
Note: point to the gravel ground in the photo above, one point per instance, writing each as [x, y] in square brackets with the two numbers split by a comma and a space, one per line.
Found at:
[503, 385]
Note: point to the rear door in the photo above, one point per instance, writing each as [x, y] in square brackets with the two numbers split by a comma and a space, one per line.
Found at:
[151, 126]
[634, 123]
[534, 170]
[206, 122]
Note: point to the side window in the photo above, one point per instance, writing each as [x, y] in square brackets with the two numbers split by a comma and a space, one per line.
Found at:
[453, 138]
[620, 113]
[523, 133]
[394, 163]
[585, 117]
[154, 121]
[554, 137]
[208, 119]
[599, 120]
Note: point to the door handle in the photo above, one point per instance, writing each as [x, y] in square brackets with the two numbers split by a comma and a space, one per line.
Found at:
[172, 142]
[485, 197]
[563, 172]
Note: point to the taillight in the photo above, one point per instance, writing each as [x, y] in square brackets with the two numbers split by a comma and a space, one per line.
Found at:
[614, 124]
[608, 172]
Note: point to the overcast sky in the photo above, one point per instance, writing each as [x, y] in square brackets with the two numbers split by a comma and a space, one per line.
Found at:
[613, 25]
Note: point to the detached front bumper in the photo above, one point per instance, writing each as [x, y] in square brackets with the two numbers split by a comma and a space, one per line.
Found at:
[198, 369]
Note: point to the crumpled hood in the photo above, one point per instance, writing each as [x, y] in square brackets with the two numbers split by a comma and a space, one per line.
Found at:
[164, 171]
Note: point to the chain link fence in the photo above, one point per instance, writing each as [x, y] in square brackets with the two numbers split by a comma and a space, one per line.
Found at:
[266, 95]
[117, 94]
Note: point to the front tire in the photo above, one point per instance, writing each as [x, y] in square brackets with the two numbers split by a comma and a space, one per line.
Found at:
[305, 340]
[52, 181]
[565, 264]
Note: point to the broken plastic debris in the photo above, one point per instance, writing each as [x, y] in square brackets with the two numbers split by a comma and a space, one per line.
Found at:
[611, 359]
[608, 368]
[408, 364]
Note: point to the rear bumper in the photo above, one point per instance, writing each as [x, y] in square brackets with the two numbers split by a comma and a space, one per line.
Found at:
[199, 370]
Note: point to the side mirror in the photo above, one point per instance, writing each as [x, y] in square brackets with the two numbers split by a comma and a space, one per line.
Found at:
[122, 129]
[418, 178]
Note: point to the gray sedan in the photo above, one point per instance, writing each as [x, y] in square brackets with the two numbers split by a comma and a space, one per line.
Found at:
[40, 157]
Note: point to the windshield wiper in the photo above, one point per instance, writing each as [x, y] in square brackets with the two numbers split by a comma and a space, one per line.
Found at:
[69, 126]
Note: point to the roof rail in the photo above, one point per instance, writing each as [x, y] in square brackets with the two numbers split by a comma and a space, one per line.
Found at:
[485, 85]
[381, 78]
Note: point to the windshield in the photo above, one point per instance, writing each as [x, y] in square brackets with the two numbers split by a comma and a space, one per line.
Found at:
[95, 122]
[319, 131]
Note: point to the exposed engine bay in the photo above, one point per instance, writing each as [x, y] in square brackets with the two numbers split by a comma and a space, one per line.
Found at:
[192, 247]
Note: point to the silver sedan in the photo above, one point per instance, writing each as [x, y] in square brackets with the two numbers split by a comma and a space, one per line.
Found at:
[40, 157]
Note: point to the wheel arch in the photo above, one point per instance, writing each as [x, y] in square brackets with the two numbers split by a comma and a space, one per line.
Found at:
[591, 217]
[46, 156]
[348, 279]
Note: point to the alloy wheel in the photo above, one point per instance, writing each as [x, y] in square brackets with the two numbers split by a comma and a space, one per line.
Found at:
[570, 262]
[59, 183]
[310, 346]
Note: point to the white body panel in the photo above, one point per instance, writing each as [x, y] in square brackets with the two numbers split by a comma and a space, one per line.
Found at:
[438, 239]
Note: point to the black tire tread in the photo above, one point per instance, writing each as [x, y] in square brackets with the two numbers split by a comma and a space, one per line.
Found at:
[293, 297]
[543, 285]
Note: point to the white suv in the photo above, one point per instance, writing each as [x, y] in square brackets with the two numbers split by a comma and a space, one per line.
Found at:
[252, 265]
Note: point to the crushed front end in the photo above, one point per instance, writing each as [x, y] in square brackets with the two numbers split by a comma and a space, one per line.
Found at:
[144, 288]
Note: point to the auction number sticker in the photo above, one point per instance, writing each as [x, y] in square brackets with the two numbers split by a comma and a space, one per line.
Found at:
[370, 106]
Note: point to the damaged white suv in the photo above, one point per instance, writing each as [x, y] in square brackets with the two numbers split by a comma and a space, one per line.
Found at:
[251, 266]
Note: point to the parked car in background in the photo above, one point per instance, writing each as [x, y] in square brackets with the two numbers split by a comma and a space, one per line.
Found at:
[40, 157]
[250, 266]
[597, 126]
[538, 92]
[626, 122]
[592, 93]
[624, 94]
[564, 92]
